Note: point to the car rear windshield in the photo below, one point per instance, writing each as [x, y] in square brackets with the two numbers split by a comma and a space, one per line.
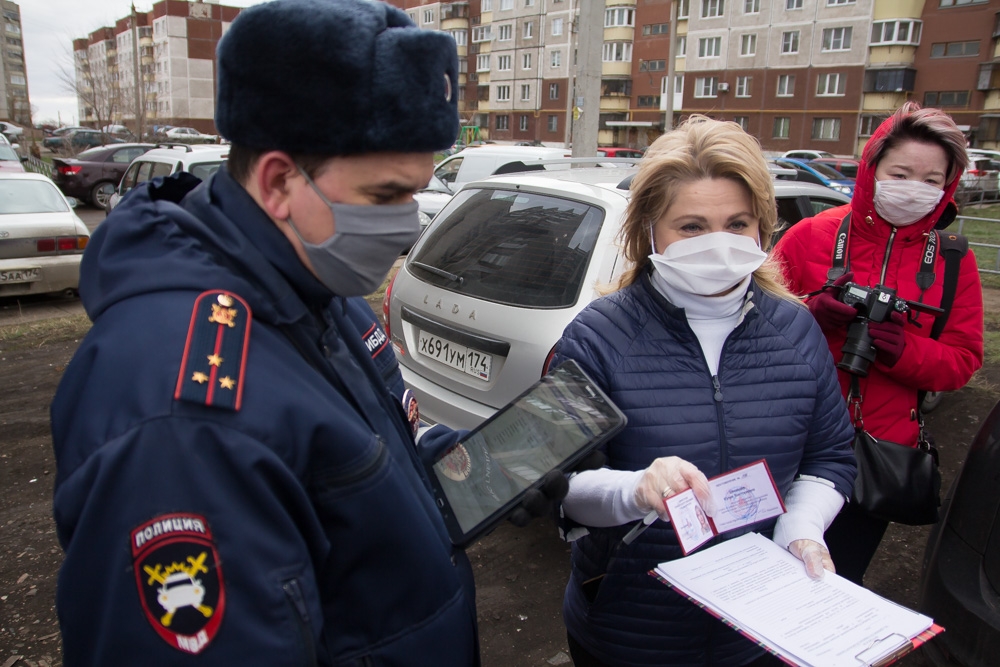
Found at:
[827, 170]
[514, 248]
[22, 196]
[205, 169]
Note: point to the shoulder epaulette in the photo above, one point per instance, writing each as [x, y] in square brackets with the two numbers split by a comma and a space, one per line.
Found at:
[215, 351]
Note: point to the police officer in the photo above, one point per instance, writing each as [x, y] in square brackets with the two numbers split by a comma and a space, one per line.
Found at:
[236, 483]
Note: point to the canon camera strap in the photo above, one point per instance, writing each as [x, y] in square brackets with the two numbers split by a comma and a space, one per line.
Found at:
[925, 276]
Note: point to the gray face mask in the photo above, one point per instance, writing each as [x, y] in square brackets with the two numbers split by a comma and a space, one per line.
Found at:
[368, 239]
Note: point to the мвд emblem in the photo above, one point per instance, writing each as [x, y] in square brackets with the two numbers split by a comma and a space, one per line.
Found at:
[179, 579]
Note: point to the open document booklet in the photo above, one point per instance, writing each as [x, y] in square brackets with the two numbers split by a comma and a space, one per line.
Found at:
[762, 591]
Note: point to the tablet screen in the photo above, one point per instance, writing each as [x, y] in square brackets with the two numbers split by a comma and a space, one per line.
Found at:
[554, 424]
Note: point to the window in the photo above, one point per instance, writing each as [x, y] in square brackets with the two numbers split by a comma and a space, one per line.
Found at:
[428, 16]
[790, 42]
[525, 92]
[952, 3]
[748, 44]
[712, 8]
[793, 4]
[683, 9]
[869, 123]
[503, 63]
[786, 85]
[678, 84]
[504, 33]
[522, 123]
[553, 91]
[555, 58]
[950, 98]
[18, 80]
[503, 93]
[709, 47]
[616, 87]
[617, 52]
[831, 3]
[954, 49]
[781, 126]
[481, 33]
[557, 26]
[743, 121]
[529, 29]
[506, 5]
[751, 6]
[706, 86]
[743, 86]
[553, 124]
[682, 46]
[655, 29]
[503, 122]
[529, 3]
[826, 128]
[896, 32]
[653, 66]
[830, 84]
[837, 39]
[483, 63]
[459, 36]
[649, 101]
[619, 17]
[526, 61]
[486, 6]
[889, 80]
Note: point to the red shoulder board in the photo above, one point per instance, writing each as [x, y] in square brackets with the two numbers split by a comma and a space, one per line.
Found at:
[215, 351]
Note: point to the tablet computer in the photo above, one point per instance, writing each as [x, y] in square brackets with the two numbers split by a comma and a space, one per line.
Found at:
[553, 425]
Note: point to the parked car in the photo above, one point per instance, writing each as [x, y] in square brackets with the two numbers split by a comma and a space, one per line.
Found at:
[820, 174]
[471, 164]
[981, 178]
[609, 151]
[502, 270]
[846, 166]
[190, 135]
[93, 175]
[13, 132]
[10, 161]
[202, 161]
[74, 141]
[803, 154]
[960, 583]
[42, 238]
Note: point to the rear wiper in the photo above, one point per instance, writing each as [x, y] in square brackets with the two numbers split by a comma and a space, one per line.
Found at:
[440, 272]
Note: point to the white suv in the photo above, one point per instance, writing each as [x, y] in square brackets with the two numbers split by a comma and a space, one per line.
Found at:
[199, 160]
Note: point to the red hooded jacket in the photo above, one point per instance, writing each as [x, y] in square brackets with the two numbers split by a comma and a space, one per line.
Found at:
[805, 253]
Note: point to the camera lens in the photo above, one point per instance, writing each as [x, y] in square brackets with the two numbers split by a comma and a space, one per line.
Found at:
[858, 350]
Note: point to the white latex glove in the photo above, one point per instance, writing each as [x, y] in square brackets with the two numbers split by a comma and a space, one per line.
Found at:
[667, 477]
[814, 556]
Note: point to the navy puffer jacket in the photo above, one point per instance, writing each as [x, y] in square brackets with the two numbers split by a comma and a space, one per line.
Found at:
[776, 396]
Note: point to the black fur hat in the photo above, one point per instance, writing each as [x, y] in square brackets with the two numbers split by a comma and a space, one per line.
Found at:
[336, 77]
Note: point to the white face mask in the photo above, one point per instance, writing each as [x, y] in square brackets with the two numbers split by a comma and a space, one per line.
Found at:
[708, 264]
[901, 203]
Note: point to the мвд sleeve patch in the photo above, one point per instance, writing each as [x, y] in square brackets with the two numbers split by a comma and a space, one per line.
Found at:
[179, 578]
[215, 351]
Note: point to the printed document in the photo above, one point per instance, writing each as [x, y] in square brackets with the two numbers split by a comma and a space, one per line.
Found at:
[763, 590]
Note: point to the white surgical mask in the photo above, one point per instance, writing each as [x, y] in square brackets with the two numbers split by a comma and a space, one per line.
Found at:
[708, 264]
[901, 203]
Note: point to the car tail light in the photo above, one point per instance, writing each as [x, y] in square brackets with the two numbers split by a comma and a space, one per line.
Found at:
[548, 360]
[62, 244]
[385, 305]
[69, 170]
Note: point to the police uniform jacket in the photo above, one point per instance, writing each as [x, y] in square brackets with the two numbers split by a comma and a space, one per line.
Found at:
[775, 397]
[235, 483]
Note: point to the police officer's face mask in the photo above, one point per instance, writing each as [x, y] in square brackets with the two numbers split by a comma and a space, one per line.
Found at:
[365, 243]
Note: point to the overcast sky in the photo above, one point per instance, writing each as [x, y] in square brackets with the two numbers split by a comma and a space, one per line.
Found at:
[48, 30]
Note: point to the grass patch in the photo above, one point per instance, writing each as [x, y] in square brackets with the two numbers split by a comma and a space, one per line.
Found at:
[44, 332]
[979, 231]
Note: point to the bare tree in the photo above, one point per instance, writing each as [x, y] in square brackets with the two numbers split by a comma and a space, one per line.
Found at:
[97, 89]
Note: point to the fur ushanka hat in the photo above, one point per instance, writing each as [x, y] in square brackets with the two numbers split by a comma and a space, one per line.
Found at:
[337, 78]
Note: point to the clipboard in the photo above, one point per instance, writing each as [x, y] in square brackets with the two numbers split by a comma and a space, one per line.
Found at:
[891, 648]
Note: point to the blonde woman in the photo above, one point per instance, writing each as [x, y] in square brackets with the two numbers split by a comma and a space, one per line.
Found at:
[716, 366]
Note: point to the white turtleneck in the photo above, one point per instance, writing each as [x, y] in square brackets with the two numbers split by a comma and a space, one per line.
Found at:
[712, 318]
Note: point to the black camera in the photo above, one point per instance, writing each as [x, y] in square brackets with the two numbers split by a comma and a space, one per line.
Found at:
[874, 304]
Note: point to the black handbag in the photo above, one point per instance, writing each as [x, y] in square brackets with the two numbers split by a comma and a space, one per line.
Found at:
[896, 482]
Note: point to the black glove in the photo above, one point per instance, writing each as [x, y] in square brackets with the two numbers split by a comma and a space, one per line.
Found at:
[543, 500]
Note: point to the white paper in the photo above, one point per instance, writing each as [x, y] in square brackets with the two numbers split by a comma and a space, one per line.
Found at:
[764, 590]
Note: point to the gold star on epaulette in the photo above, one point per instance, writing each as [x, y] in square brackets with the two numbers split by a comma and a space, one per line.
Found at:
[227, 382]
[200, 378]
[214, 360]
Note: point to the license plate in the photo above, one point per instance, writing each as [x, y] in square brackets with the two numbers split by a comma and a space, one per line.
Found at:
[20, 276]
[466, 359]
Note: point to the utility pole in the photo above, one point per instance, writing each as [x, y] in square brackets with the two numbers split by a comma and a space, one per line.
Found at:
[135, 73]
[590, 44]
[668, 115]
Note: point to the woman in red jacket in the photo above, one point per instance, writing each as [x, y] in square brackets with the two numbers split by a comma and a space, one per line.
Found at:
[909, 171]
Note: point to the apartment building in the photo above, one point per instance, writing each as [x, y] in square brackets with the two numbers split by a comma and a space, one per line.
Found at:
[173, 47]
[15, 105]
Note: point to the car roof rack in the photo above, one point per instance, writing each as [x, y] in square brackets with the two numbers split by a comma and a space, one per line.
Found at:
[187, 147]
